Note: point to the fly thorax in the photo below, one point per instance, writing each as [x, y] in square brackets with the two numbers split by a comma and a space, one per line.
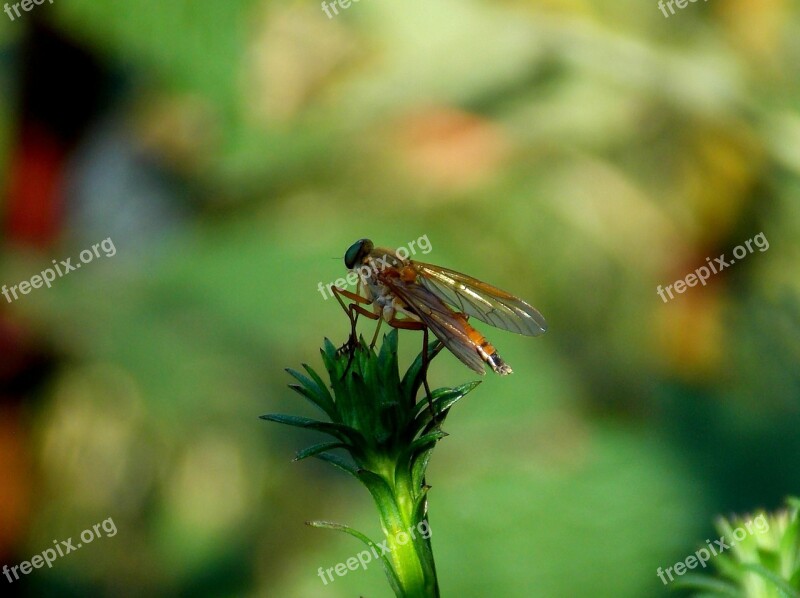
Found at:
[382, 295]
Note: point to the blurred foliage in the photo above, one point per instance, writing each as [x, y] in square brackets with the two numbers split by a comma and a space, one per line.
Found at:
[764, 557]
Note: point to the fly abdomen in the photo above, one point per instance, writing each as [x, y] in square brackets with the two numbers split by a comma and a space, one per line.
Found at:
[490, 355]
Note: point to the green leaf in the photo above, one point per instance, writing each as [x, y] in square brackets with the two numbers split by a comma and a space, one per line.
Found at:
[412, 379]
[418, 468]
[790, 542]
[384, 496]
[443, 399]
[330, 359]
[318, 448]
[390, 572]
[358, 402]
[728, 567]
[318, 380]
[340, 431]
[446, 397]
[378, 487]
[339, 462]
[424, 442]
[387, 359]
[768, 558]
[312, 390]
[776, 580]
[795, 580]
[408, 457]
[713, 586]
[312, 397]
[420, 504]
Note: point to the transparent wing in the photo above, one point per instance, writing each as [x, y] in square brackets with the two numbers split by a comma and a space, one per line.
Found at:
[481, 300]
[449, 327]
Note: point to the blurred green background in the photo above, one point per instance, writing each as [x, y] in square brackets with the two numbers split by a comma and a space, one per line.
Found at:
[578, 153]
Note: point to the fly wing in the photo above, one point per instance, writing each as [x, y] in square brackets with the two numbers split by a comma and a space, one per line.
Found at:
[481, 300]
[448, 326]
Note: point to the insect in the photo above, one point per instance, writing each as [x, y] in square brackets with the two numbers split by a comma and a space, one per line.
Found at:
[436, 299]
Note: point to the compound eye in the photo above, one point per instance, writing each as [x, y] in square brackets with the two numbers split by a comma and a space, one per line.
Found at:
[356, 253]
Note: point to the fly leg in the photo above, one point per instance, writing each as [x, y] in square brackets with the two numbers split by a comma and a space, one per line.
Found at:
[353, 310]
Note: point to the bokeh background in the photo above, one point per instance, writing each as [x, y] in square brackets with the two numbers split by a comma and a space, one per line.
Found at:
[576, 152]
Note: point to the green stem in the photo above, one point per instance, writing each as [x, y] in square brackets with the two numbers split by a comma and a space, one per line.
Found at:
[410, 552]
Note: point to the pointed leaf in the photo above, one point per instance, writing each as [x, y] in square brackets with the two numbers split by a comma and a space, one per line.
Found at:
[390, 572]
[713, 586]
[790, 542]
[727, 567]
[412, 379]
[773, 578]
[314, 450]
[447, 396]
[795, 580]
[318, 379]
[377, 486]
[407, 458]
[418, 468]
[339, 462]
[424, 442]
[312, 397]
[330, 359]
[421, 505]
[340, 431]
[312, 390]
[388, 371]
[443, 399]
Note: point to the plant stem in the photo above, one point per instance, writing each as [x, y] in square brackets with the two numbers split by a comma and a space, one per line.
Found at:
[405, 529]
